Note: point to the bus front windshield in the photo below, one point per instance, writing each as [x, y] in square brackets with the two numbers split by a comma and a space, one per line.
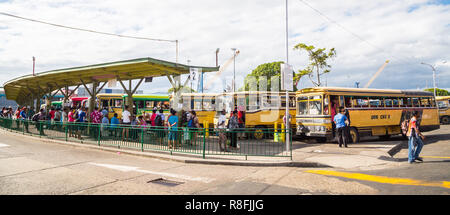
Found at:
[309, 105]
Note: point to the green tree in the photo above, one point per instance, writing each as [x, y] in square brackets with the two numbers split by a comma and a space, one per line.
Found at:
[185, 89]
[267, 70]
[317, 63]
[439, 92]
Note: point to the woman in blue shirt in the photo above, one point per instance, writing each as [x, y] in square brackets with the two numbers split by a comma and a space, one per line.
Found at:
[173, 124]
[114, 122]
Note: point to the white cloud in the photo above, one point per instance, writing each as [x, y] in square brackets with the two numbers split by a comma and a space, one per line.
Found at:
[408, 32]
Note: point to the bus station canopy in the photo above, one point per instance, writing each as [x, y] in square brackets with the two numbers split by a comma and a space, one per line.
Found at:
[21, 88]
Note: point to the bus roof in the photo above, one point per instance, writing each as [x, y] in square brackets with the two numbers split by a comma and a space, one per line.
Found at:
[237, 93]
[147, 97]
[110, 95]
[365, 91]
[442, 97]
[79, 98]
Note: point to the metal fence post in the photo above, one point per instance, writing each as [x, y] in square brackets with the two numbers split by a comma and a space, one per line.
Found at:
[204, 142]
[99, 133]
[142, 139]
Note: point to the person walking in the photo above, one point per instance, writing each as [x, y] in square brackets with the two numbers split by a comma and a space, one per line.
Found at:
[96, 120]
[104, 125]
[415, 142]
[241, 119]
[341, 121]
[193, 125]
[222, 129]
[172, 122]
[234, 129]
[114, 124]
[153, 117]
[126, 121]
[24, 117]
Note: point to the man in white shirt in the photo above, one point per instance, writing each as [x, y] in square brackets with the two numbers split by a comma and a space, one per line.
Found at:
[126, 115]
[221, 127]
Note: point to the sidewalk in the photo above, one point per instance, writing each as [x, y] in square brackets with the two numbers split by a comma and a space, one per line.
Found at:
[368, 154]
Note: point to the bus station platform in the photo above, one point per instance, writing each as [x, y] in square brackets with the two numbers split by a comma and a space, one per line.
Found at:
[368, 154]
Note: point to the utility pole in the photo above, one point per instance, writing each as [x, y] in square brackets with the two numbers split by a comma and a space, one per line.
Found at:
[287, 139]
[234, 69]
[434, 76]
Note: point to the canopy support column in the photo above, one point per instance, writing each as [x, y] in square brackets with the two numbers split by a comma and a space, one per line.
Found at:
[93, 93]
[130, 91]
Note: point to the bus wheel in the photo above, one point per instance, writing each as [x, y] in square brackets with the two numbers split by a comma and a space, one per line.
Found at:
[354, 135]
[445, 120]
[259, 133]
[321, 140]
[385, 137]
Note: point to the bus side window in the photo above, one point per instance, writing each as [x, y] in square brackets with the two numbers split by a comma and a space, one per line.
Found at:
[424, 102]
[395, 102]
[362, 102]
[416, 102]
[388, 102]
[292, 102]
[409, 102]
[341, 101]
[105, 103]
[348, 102]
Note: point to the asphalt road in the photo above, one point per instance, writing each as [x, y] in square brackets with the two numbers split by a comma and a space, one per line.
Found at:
[30, 166]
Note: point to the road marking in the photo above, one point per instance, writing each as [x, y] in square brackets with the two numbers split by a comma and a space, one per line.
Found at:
[435, 157]
[137, 169]
[3, 145]
[383, 179]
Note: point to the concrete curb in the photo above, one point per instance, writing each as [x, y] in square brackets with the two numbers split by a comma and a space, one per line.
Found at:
[182, 158]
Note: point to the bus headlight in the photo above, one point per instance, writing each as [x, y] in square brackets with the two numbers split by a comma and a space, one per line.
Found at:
[320, 128]
[322, 121]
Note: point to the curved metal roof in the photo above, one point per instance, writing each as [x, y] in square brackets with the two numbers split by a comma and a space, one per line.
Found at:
[20, 88]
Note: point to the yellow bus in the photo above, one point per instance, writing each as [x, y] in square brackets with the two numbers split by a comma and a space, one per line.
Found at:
[261, 109]
[113, 103]
[203, 104]
[444, 108]
[372, 112]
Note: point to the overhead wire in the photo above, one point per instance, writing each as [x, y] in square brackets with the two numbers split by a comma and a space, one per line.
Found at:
[350, 32]
[86, 30]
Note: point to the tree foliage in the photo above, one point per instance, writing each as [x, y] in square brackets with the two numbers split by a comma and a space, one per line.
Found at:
[439, 92]
[267, 70]
[183, 89]
[317, 63]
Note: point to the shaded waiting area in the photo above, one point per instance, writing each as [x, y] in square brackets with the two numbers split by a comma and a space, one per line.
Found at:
[25, 89]
[201, 141]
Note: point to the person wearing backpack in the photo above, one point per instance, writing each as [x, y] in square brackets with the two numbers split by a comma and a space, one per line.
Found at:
[193, 125]
[159, 123]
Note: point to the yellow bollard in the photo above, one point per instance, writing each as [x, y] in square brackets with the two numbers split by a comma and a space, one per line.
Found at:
[206, 126]
[283, 132]
[275, 132]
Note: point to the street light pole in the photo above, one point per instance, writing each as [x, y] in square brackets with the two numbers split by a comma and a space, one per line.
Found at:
[288, 119]
[234, 69]
[434, 76]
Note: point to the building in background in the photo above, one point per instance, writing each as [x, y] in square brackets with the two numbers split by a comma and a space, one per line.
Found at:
[5, 102]
[81, 92]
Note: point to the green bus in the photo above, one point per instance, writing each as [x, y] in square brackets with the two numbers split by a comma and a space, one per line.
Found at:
[146, 103]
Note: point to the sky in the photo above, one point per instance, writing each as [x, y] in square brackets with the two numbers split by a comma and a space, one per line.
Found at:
[364, 33]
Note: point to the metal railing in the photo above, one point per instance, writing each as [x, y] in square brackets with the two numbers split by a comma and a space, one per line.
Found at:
[199, 141]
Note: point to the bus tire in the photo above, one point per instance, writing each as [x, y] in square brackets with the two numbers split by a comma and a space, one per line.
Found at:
[385, 137]
[354, 135]
[258, 134]
[445, 120]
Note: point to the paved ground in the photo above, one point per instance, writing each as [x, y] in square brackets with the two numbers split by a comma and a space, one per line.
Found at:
[32, 166]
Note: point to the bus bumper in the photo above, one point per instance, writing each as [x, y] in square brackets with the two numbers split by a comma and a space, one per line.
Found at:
[313, 131]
